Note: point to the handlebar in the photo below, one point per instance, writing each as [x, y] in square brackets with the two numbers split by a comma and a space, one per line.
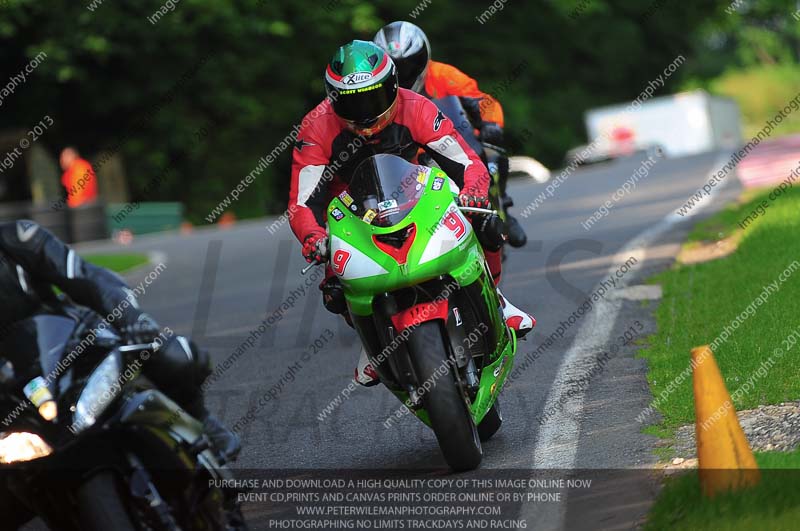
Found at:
[475, 210]
[308, 268]
[139, 347]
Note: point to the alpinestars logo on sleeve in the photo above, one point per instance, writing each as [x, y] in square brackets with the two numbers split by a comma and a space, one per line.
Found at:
[26, 229]
[300, 143]
[437, 122]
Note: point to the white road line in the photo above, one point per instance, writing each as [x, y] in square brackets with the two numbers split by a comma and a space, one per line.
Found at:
[557, 443]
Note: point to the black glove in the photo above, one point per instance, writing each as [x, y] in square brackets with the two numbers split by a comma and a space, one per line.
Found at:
[423, 159]
[333, 295]
[491, 133]
[144, 330]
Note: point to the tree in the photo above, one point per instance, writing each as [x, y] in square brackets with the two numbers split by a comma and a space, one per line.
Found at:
[211, 87]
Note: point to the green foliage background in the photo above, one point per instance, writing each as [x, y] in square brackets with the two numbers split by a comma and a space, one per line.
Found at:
[213, 86]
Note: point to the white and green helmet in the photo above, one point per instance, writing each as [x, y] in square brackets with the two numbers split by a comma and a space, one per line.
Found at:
[361, 81]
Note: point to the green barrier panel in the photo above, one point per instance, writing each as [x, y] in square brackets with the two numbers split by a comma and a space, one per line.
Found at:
[141, 218]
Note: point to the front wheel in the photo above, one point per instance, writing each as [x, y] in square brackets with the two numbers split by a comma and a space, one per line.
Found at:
[491, 422]
[100, 505]
[450, 419]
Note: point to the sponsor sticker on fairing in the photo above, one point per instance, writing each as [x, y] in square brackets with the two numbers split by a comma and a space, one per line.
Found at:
[387, 208]
[369, 216]
[438, 183]
[346, 198]
[337, 214]
[497, 370]
[37, 391]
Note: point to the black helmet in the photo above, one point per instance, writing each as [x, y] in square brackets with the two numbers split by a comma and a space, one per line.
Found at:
[408, 46]
[361, 82]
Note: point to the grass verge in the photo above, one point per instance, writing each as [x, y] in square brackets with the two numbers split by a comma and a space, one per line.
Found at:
[772, 504]
[760, 91]
[118, 262]
[701, 300]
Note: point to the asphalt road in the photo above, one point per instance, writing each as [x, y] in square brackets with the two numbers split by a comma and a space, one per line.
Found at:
[220, 284]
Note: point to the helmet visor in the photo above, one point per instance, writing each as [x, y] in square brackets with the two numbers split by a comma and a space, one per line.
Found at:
[363, 106]
[373, 127]
[411, 68]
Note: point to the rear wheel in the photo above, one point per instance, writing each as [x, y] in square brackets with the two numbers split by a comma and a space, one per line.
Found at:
[491, 422]
[101, 506]
[450, 419]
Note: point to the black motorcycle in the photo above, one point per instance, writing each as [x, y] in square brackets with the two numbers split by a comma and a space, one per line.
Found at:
[87, 442]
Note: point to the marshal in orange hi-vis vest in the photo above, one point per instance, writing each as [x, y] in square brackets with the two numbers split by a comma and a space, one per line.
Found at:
[81, 183]
[445, 80]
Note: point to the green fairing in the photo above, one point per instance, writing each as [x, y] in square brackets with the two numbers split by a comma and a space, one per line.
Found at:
[464, 263]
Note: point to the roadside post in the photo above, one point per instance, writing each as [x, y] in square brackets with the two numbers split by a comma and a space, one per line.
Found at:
[726, 461]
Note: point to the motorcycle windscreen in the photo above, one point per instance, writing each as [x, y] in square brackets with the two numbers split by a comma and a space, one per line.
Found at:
[385, 188]
[43, 337]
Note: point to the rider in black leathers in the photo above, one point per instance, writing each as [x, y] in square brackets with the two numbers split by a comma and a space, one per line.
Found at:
[32, 261]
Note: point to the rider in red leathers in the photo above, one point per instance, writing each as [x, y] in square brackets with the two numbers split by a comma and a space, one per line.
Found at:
[366, 113]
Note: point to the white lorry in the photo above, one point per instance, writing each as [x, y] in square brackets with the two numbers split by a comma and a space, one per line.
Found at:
[678, 125]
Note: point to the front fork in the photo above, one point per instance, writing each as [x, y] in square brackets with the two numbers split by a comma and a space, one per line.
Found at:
[476, 336]
[145, 493]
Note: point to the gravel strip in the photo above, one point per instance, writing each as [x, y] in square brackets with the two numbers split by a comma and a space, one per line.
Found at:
[768, 428]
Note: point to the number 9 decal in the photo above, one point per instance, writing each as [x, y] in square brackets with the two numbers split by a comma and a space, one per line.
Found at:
[456, 225]
[339, 261]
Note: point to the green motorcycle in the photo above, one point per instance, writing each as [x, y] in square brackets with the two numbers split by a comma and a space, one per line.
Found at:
[422, 300]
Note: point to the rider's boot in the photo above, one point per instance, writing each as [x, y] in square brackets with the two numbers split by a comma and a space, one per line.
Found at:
[521, 322]
[516, 234]
[179, 368]
[365, 374]
[225, 442]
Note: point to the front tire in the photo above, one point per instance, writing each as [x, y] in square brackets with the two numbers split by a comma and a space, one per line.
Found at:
[450, 419]
[100, 505]
[491, 422]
